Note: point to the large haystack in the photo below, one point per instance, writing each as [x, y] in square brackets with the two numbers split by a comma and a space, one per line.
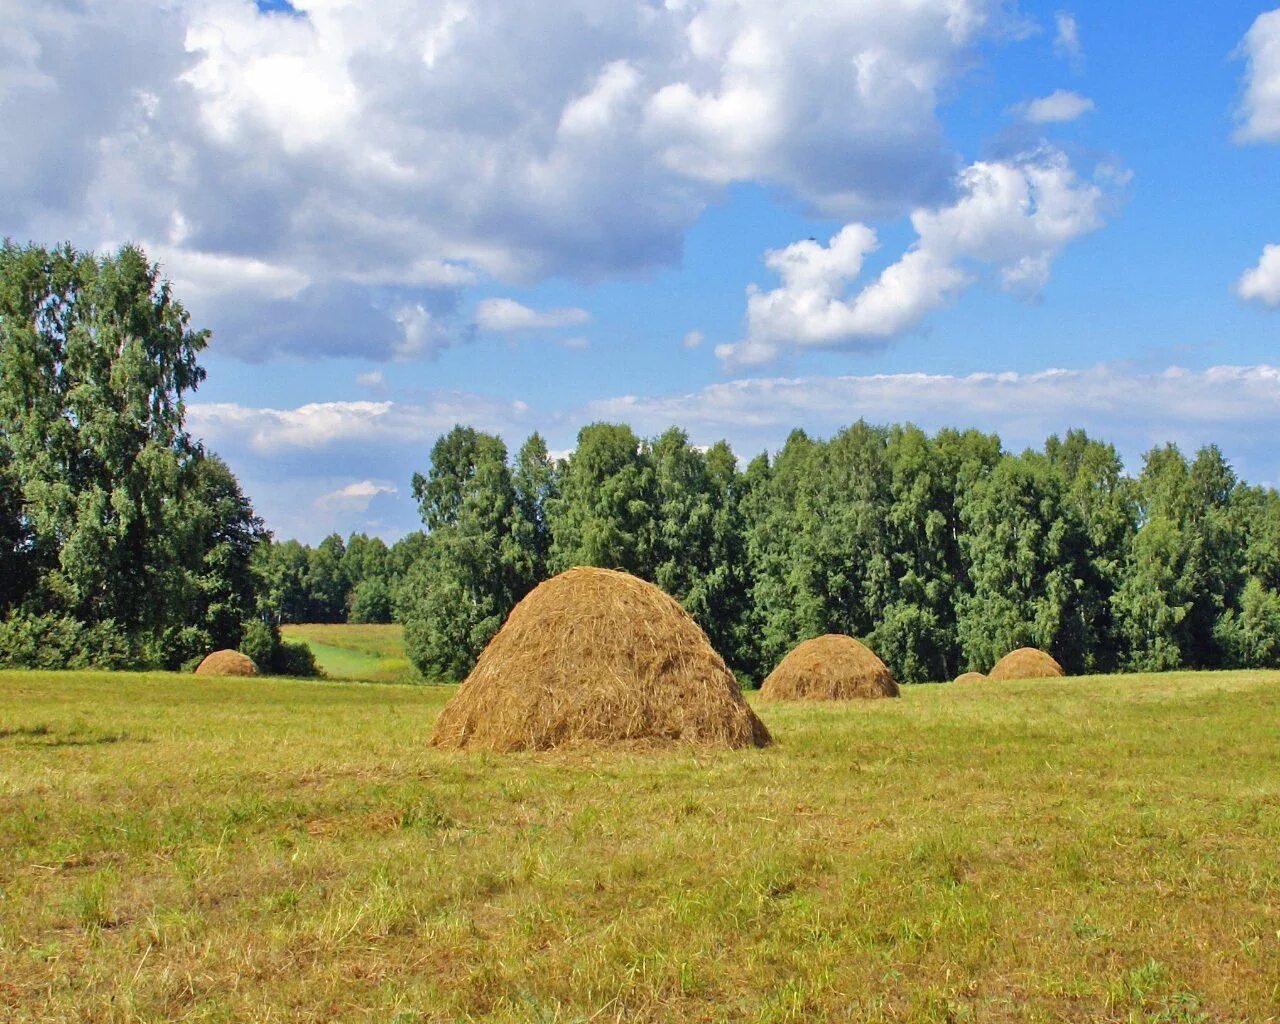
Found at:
[598, 657]
[1026, 663]
[831, 667]
[970, 677]
[227, 663]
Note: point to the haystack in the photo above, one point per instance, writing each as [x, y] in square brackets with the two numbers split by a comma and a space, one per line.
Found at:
[831, 667]
[1026, 663]
[227, 663]
[970, 677]
[596, 656]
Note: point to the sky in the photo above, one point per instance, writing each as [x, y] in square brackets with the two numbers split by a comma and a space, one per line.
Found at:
[733, 216]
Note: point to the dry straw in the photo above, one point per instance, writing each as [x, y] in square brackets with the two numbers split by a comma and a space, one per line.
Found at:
[227, 663]
[970, 677]
[598, 657]
[831, 667]
[1026, 663]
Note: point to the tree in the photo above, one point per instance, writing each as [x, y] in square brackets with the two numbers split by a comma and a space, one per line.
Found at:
[1028, 563]
[1105, 503]
[96, 359]
[928, 481]
[326, 581]
[284, 595]
[222, 535]
[535, 484]
[603, 515]
[458, 592]
[99, 479]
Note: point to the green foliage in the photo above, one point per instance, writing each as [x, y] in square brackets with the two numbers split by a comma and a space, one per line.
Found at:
[604, 512]
[58, 641]
[473, 568]
[371, 601]
[294, 658]
[118, 533]
[943, 551]
[262, 642]
[1027, 556]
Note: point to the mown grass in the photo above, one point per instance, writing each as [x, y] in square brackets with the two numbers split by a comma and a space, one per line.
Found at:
[1083, 850]
[367, 653]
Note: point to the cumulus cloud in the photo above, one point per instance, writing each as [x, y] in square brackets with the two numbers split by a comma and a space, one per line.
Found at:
[1262, 283]
[509, 315]
[1259, 113]
[1059, 106]
[1012, 217]
[354, 149]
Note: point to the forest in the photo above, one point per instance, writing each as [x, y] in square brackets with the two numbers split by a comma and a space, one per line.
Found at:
[125, 543]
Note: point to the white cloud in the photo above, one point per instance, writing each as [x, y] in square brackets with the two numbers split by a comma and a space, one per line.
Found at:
[1066, 41]
[355, 496]
[373, 380]
[692, 339]
[355, 426]
[1012, 217]
[1059, 106]
[509, 315]
[351, 162]
[1236, 407]
[1259, 113]
[200, 275]
[289, 459]
[575, 342]
[1262, 283]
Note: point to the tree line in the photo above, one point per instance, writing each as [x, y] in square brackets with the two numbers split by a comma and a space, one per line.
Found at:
[125, 543]
[943, 551]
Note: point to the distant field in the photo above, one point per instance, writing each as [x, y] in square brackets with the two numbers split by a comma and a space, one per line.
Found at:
[372, 653]
[1097, 849]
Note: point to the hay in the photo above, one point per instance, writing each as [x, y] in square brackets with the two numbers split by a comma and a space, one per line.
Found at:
[831, 667]
[970, 677]
[227, 663]
[1026, 663]
[595, 656]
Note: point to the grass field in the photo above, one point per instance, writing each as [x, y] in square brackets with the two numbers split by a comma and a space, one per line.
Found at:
[267, 850]
[370, 653]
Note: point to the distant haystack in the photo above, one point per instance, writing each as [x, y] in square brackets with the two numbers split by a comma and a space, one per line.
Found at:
[599, 657]
[1026, 663]
[227, 663]
[831, 667]
[970, 677]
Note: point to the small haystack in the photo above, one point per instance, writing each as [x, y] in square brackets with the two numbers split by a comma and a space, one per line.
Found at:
[599, 657]
[970, 677]
[227, 663]
[831, 667]
[1026, 663]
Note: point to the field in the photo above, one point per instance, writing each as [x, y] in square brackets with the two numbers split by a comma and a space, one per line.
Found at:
[1101, 849]
[371, 653]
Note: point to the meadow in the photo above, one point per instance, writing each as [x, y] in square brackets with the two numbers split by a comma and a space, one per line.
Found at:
[1093, 849]
[371, 653]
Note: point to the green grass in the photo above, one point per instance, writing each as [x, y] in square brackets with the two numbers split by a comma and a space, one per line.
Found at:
[369, 653]
[266, 850]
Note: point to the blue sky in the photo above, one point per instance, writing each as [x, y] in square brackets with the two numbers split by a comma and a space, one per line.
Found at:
[396, 216]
